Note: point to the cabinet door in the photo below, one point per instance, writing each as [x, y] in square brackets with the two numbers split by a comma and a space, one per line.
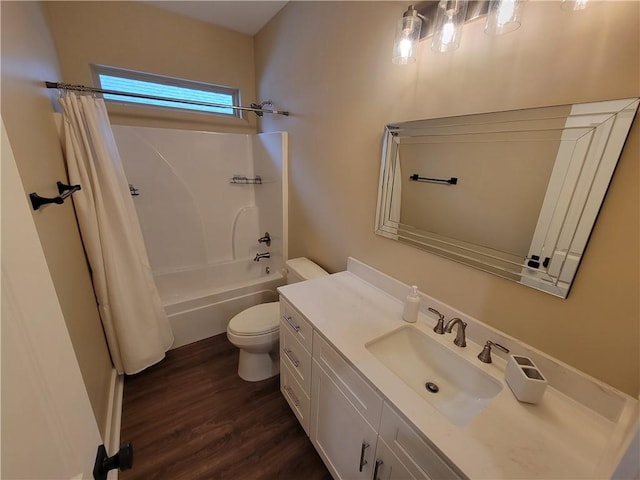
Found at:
[345, 441]
[417, 454]
[388, 467]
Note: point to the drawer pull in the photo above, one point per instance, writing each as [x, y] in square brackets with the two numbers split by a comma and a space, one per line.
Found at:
[290, 321]
[294, 399]
[375, 469]
[290, 356]
[363, 462]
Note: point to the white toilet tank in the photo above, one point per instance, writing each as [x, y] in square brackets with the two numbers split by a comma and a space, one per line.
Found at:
[300, 269]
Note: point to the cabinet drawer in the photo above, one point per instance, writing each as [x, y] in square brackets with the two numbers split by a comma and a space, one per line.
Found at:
[363, 397]
[295, 396]
[415, 453]
[295, 323]
[294, 356]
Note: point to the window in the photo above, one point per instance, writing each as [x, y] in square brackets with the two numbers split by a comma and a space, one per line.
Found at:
[151, 85]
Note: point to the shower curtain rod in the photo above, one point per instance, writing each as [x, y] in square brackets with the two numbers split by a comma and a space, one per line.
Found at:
[81, 88]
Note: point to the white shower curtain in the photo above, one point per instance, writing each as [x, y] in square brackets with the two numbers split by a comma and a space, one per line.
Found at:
[135, 324]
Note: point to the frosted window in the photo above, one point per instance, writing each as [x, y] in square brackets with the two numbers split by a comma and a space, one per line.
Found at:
[127, 81]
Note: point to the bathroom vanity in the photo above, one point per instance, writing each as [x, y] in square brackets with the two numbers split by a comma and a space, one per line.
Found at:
[363, 406]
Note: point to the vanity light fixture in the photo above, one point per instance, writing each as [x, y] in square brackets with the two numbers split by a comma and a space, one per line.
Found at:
[444, 20]
[407, 36]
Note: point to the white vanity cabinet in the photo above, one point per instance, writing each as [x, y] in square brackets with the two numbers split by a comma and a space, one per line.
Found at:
[357, 434]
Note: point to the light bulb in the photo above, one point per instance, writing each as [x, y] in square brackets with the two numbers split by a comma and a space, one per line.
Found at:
[448, 32]
[450, 17]
[504, 16]
[405, 48]
[505, 12]
[574, 4]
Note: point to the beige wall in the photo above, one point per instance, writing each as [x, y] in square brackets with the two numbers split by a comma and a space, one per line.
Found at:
[329, 63]
[28, 58]
[140, 37]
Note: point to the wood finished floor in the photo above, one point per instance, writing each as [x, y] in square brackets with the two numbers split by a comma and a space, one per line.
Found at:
[191, 417]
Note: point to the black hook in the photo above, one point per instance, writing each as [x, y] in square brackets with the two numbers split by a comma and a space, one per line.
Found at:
[123, 460]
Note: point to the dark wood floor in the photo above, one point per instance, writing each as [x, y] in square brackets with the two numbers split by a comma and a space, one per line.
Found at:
[191, 417]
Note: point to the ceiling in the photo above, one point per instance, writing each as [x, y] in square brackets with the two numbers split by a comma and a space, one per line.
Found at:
[242, 16]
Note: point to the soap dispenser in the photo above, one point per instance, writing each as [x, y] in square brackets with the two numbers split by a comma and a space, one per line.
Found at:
[411, 306]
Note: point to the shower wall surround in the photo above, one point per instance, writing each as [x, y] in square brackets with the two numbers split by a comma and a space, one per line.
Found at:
[190, 213]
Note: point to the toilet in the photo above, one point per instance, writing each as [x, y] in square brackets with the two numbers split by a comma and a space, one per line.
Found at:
[256, 332]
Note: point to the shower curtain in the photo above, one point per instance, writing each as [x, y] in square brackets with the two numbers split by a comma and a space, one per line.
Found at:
[136, 327]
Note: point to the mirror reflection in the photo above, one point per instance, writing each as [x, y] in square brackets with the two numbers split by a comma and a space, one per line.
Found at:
[512, 193]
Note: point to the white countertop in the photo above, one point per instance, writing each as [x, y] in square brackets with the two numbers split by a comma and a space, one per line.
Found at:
[557, 438]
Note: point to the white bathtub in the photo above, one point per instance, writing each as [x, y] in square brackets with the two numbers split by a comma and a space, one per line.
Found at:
[201, 301]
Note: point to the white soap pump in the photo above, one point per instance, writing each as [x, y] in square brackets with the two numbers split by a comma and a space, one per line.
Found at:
[411, 306]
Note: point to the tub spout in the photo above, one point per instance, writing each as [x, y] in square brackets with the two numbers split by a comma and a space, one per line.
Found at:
[260, 256]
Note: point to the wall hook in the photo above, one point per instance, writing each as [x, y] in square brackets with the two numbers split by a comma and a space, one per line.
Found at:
[123, 460]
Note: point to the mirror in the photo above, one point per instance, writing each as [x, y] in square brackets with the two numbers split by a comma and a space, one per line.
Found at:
[515, 193]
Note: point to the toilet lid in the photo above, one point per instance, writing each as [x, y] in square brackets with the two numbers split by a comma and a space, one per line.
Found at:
[256, 320]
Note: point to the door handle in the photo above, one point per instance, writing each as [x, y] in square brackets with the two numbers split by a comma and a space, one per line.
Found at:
[363, 462]
[375, 469]
[290, 321]
[294, 360]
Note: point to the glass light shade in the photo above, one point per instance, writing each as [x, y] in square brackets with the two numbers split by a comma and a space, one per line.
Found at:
[450, 16]
[407, 36]
[574, 4]
[504, 16]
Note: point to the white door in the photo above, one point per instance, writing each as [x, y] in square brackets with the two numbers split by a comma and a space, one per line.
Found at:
[48, 427]
[342, 437]
[388, 467]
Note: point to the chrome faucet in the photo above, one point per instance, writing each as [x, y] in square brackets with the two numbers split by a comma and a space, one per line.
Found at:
[439, 328]
[260, 256]
[460, 339]
[485, 354]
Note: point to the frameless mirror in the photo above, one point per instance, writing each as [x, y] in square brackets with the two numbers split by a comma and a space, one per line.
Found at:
[512, 193]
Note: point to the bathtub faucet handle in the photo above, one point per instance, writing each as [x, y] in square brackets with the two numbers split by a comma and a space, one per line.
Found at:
[260, 256]
[266, 239]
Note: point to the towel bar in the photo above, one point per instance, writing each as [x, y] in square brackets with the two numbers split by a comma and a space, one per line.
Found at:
[63, 189]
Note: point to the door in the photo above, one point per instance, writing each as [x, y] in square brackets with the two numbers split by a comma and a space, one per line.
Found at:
[48, 428]
[388, 467]
[342, 437]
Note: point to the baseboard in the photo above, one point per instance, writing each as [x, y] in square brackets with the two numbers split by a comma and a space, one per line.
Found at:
[114, 415]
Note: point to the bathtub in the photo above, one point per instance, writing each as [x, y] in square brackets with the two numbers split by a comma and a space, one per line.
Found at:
[200, 301]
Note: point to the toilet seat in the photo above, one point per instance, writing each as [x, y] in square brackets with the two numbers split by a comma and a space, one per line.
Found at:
[257, 320]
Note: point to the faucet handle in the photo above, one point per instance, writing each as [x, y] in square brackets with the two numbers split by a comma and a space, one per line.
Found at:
[266, 239]
[485, 354]
[439, 328]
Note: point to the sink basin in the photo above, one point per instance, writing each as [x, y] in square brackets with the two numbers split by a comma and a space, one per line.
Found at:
[456, 388]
